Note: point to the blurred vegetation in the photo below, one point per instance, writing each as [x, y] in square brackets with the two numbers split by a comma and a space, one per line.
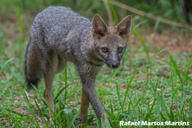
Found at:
[176, 10]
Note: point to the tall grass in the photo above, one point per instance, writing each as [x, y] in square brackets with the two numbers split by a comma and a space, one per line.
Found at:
[20, 20]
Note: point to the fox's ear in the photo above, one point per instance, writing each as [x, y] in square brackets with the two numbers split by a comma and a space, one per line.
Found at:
[124, 26]
[99, 27]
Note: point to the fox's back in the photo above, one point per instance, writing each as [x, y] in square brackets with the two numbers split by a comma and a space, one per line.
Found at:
[56, 22]
[61, 16]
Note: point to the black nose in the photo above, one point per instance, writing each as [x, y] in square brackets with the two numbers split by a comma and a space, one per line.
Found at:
[115, 65]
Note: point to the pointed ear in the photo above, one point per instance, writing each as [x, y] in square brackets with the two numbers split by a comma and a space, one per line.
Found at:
[99, 27]
[124, 26]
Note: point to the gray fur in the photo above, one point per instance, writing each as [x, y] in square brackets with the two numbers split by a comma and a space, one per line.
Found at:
[58, 35]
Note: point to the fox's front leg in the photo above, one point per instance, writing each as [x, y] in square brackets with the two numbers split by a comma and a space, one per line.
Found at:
[88, 86]
[49, 73]
[94, 100]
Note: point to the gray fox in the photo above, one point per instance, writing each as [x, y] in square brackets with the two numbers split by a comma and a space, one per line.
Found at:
[58, 35]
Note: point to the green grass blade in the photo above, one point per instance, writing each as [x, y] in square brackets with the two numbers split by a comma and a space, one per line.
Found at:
[113, 11]
[20, 20]
[59, 93]
[127, 89]
[151, 109]
[176, 68]
[66, 84]
[144, 46]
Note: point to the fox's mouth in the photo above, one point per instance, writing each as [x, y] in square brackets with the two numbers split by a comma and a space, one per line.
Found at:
[114, 66]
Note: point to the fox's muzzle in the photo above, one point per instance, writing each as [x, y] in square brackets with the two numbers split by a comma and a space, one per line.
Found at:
[113, 64]
[113, 60]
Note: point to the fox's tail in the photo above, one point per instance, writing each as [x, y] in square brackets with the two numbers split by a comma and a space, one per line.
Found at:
[32, 67]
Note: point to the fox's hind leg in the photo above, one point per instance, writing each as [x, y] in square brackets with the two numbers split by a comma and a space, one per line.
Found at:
[49, 73]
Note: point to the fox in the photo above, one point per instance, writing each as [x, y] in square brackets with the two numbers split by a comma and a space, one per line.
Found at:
[59, 35]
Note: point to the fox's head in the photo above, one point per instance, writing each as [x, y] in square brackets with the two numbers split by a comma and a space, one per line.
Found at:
[111, 41]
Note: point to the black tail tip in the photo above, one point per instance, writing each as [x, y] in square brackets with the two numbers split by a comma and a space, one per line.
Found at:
[32, 84]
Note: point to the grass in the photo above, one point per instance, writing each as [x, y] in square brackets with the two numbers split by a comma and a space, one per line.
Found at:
[144, 88]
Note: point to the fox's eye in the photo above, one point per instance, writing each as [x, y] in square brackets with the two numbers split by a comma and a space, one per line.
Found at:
[119, 49]
[105, 49]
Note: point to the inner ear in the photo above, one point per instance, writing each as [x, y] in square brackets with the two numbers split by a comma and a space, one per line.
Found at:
[99, 27]
[124, 27]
